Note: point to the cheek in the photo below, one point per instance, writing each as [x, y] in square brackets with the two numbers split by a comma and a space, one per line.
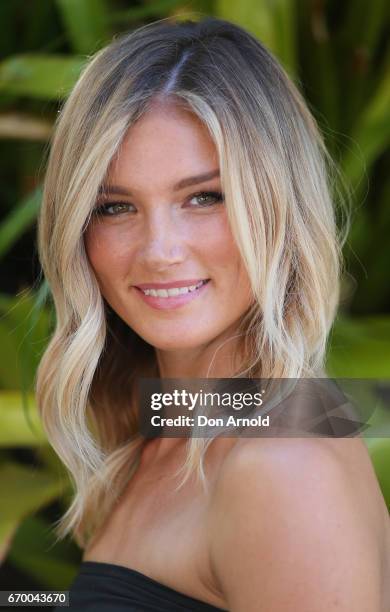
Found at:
[225, 253]
[108, 255]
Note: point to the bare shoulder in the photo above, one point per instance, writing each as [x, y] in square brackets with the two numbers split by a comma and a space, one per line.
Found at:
[300, 523]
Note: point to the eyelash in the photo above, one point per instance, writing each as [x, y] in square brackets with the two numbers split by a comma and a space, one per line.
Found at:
[217, 195]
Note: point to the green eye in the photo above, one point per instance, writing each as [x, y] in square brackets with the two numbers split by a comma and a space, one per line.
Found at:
[111, 209]
[207, 198]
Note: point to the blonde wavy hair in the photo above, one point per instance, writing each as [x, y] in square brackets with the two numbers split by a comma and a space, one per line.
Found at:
[278, 181]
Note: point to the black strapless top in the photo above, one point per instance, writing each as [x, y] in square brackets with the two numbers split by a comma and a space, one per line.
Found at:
[106, 587]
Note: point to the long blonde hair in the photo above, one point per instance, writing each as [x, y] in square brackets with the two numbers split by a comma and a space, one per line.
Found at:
[276, 175]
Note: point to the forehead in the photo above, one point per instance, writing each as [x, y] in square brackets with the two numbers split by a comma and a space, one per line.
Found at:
[165, 144]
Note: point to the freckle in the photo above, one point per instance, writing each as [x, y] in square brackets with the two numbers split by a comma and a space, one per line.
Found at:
[336, 602]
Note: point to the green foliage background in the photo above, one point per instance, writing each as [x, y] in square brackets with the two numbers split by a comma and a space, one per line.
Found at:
[337, 53]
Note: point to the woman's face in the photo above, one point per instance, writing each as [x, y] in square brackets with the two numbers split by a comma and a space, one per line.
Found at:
[160, 243]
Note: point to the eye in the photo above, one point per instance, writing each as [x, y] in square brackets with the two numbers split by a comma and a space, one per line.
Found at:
[112, 209]
[206, 199]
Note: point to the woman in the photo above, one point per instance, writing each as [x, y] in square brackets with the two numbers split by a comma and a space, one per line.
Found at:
[187, 230]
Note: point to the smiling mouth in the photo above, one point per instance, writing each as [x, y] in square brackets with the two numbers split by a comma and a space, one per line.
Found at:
[173, 291]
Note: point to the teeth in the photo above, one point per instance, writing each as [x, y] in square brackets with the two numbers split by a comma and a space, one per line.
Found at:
[173, 291]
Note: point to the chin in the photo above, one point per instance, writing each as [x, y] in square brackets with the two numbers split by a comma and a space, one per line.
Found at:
[176, 342]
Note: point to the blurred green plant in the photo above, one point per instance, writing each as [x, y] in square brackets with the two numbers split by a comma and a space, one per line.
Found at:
[25, 327]
[338, 55]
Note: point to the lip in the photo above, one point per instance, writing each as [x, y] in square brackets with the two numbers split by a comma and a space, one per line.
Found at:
[170, 285]
[174, 301]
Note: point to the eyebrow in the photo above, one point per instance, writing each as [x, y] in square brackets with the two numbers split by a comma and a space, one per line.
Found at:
[186, 182]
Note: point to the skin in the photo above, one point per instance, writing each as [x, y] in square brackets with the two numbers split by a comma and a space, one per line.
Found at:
[163, 235]
[273, 504]
[300, 524]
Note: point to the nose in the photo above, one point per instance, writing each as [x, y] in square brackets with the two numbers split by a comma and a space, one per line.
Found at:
[162, 243]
